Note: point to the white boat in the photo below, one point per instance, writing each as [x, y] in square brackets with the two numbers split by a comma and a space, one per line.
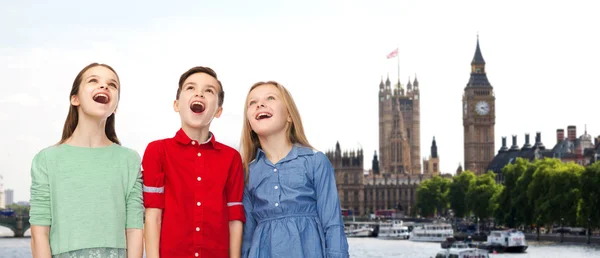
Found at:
[435, 232]
[507, 241]
[359, 230]
[393, 229]
[462, 250]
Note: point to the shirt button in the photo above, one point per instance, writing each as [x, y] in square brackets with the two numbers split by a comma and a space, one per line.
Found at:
[196, 254]
[275, 170]
[197, 229]
[193, 143]
[276, 187]
[276, 204]
[199, 178]
[198, 203]
[199, 154]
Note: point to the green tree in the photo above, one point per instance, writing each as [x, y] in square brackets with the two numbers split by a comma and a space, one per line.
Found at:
[520, 197]
[507, 212]
[19, 209]
[432, 196]
[457, 195]
[589, 206]
[482, 195]
[554, 191]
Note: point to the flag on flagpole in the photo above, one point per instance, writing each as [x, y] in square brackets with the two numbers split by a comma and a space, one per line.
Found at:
[393, 54]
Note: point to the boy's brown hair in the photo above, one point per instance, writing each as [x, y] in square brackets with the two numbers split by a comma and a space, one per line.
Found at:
[201, 69]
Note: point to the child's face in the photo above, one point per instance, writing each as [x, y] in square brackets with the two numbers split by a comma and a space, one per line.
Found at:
[198, 101]
[267, 113]
[98, 94]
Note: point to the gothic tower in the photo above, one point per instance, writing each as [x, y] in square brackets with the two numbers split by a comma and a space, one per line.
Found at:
[399, 128]
[479, 117]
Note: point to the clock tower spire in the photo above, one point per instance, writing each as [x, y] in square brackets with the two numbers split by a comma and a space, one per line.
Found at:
[479, 117]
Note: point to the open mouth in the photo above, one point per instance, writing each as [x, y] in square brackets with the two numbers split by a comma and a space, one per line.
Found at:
[263, 115]
[101, 98]
[197, 107]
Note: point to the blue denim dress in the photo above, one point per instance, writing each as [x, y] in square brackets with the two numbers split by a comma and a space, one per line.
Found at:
[292, 208]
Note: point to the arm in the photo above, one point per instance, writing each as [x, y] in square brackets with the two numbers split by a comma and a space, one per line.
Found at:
[328, 208]
[235, 238]
[154, 200]
[135, 247]
[135, 214]
[152, 232]
[40, 242]
[40, 215]
[234, 191]
[250, 224]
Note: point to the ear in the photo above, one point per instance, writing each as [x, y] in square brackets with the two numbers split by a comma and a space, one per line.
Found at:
[75, 101]
[176, 106]
[219, 111]
[289, 119]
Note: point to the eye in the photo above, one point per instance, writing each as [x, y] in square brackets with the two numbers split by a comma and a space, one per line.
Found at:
[189, 87]
[251, 103]
[210, 91]
[271, 98]
[113, 85]
[93, 80]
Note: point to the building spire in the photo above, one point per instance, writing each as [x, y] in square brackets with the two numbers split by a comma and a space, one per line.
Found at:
[478, 57]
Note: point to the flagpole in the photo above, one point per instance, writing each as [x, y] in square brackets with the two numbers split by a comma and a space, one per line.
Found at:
[398, 57]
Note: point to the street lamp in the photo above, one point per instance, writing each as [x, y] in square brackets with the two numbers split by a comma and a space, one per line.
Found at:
[537, 225]
[562, 230]
[589, 232]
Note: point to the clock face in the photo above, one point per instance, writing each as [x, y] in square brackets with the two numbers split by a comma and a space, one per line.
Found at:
[388, 96]
[482, 108]
[381, 99]
[465, 108]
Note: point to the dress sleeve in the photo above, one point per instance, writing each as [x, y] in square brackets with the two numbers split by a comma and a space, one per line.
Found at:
[328, 208]
[40, 211]
[250, 224]
[135, 206]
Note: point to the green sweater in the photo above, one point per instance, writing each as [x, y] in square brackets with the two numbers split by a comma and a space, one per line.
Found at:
[88, 196]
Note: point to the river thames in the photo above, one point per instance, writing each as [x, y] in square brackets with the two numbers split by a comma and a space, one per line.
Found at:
[374, 248]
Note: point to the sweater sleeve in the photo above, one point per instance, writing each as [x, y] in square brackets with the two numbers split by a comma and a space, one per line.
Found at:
[40, 212]
[134, 205]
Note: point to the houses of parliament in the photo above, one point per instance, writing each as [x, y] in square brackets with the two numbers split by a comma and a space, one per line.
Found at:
[397, 171]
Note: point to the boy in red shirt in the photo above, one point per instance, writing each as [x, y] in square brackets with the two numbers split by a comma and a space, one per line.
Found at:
[193, 185]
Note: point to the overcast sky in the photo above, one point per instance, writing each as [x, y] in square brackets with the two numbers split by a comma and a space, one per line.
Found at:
[542, 60]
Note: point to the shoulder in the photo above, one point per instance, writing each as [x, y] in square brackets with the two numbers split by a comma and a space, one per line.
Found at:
[42, 155]
[128, 153]
[311, 153]
[227, 151]
[50, 152]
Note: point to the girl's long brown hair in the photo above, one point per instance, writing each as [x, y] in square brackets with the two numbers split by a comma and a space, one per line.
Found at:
[73, 116]
[249, 141]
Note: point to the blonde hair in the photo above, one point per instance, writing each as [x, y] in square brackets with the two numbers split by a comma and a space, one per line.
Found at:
[249, 141]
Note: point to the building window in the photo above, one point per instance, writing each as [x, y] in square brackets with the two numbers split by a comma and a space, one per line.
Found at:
[345, 196]
[345, 178]
[435, 167]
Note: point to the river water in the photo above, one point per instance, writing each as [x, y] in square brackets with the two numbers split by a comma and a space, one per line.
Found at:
[371, 248]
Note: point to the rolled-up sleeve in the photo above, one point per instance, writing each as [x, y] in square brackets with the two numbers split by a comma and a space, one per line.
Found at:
[153, 176]
[135, 206]
[40, 211]
[328, 208]
[235, 189]
[249, 226]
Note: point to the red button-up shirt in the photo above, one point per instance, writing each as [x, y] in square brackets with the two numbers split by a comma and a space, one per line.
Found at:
[199, 186]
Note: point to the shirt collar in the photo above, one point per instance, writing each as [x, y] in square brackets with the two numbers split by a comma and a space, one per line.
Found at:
[297, 150]
[182, 138]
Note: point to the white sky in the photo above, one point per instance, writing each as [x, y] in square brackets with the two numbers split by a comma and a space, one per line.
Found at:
[542, 60]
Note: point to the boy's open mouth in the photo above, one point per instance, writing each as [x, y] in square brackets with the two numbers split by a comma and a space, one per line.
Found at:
[197, 107]
[101, 98]
[263, 115]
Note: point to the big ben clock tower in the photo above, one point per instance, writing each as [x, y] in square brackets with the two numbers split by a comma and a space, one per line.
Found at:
[479, 117]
